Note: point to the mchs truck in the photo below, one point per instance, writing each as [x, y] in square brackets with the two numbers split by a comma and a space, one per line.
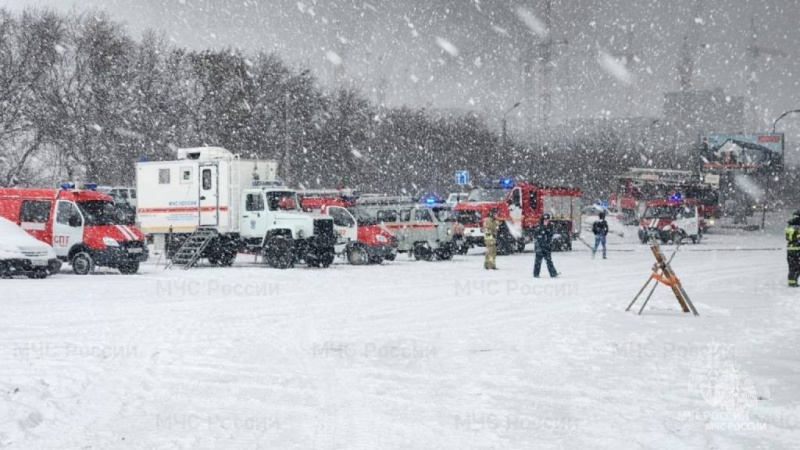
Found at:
[235, 203]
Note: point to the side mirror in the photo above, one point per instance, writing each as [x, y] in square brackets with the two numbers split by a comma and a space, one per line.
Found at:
[75, 221]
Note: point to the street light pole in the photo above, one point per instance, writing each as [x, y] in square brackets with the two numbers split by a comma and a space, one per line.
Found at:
[505, 133]
[775, 124]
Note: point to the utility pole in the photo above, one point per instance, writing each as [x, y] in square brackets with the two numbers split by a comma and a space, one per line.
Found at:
[546, 50]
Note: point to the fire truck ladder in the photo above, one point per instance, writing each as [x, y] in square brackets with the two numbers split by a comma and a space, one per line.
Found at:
[188, 254]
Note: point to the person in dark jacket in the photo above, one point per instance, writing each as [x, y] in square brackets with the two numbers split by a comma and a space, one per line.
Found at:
[600, 230]
[543, 236]
[793, 248]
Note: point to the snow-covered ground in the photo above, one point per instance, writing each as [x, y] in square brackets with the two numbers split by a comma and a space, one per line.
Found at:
[410, 355]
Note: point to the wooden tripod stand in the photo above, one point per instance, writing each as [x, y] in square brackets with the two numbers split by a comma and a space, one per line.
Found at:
[663, 273]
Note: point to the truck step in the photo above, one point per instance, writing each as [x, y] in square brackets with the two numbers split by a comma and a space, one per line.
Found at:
[191, 249]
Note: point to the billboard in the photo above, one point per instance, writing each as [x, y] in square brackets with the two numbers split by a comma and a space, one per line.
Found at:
[741, 152]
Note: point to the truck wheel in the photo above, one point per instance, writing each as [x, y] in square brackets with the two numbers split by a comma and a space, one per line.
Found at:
[506, 244]
[357, 255]
[422, 252]
[129, 269]
[377, 259]
[444, 253]
[224, 259]
[326, 259]
[82, 264]
[278, 252]
[38, 274]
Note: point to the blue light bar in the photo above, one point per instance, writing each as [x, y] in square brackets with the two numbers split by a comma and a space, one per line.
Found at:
[430, 200]
[67, 185]
[91, 186]
[676, 197]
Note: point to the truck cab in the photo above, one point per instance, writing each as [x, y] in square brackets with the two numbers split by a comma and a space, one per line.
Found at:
[273, 223]
[360, 239]
[82, 225]
[671, 221]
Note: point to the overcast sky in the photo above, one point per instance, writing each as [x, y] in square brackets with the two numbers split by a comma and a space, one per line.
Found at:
[470, 53]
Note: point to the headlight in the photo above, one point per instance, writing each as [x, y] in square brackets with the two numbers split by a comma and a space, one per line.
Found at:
[301, 234]
[667, 227]
[711, 222]
[380, 238]
[449, 231]
[110, 242]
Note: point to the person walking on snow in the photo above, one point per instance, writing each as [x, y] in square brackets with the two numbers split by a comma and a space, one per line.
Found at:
[793, 248]
[490, 240]
[543, 236]
[600, 230]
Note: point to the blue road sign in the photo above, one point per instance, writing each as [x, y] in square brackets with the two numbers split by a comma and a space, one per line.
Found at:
[462, 177]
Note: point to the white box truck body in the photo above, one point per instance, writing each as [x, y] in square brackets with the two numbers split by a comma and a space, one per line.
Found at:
[202, 188]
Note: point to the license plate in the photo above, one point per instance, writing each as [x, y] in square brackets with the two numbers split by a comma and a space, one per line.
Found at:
[39, 263]
[135, 250]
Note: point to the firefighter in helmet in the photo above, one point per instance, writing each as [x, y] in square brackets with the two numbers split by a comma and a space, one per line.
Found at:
[490, 240]
[793, 248]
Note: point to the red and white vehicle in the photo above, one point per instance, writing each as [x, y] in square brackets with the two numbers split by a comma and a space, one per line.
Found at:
[82, 225]
[519, 206]
[359, 239]
[639, 186]
[671, 221]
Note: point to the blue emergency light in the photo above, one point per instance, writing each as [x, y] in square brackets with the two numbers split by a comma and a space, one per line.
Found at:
[507, 182]
[90, 186]
[430, 200]
[676, 197]
[67, 185]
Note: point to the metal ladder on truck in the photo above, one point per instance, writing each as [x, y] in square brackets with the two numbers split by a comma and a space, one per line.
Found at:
[191, 249]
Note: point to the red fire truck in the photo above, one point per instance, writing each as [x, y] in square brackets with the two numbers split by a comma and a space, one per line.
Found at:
[640, 185]
[82, 225]
[519, 206]
[362, 240]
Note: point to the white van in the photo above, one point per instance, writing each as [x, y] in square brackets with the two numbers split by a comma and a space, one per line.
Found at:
[22, 254]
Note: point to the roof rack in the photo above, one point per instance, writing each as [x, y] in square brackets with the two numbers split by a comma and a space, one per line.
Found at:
[377, 199]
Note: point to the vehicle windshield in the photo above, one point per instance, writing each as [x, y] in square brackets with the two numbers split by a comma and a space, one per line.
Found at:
[487, 195]
[662, 212]
[99, 212]
[364, 217]
[282, 201]
[443, 214]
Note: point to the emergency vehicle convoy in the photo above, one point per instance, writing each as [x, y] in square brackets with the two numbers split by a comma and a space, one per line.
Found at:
[361, 240]
[519, 205]
[671, 221]
[82, 225]
[211, 204]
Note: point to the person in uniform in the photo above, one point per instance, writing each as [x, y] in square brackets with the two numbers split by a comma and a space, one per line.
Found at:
[793, 248]
[490, 240]
[543, 235]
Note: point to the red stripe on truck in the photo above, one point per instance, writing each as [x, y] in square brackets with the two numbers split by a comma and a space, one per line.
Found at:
[182, 209]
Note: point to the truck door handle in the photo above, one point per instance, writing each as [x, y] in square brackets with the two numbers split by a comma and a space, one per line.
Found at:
[203, 197]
